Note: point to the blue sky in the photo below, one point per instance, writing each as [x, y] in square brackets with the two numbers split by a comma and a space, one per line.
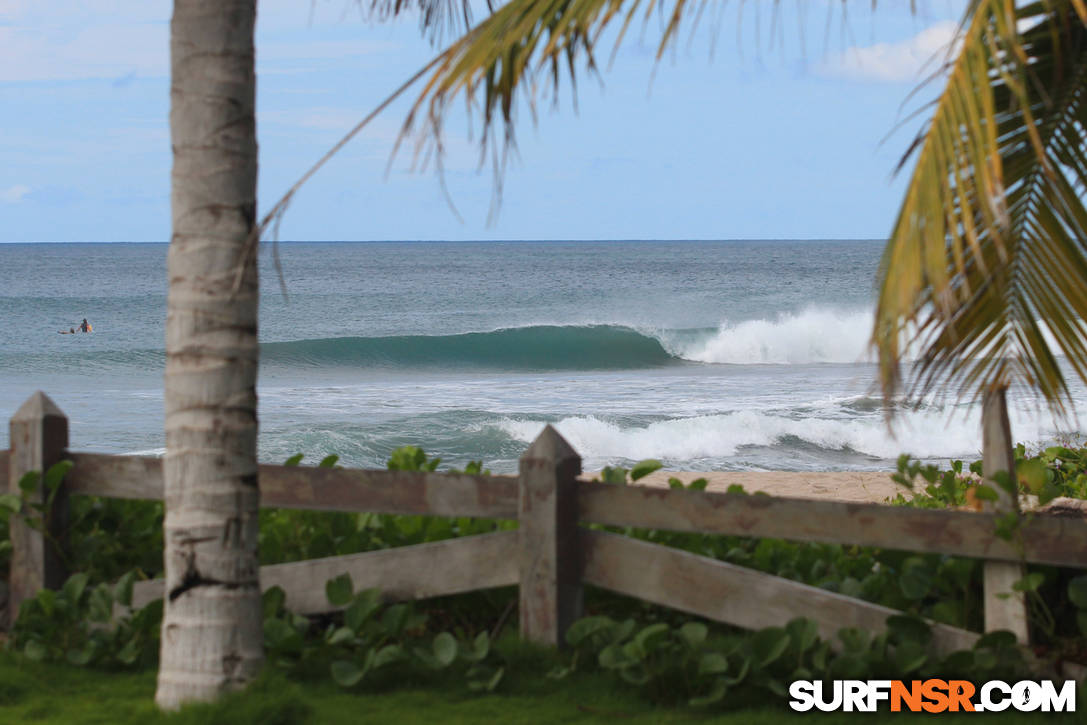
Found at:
[726, 138]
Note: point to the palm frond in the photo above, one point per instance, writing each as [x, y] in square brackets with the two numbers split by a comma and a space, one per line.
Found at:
[507, 54]
[436, 17]
[986, 267]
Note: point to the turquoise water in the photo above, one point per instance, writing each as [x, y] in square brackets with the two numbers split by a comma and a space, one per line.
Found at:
[708, 355]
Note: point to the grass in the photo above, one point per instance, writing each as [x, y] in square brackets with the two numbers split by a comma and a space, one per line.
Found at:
[42, 693]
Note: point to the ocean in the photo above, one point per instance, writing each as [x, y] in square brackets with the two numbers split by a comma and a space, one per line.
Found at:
[732, 355]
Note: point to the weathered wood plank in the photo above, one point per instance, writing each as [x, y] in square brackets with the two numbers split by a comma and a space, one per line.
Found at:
[1046, 539]
[408, 572]
[4, 457]
[322, 489]
[132, 477]
[733, 594]
[39, 437]
[549, 552]
[390, 492]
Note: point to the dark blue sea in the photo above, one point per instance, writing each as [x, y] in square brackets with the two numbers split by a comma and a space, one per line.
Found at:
[729, 355]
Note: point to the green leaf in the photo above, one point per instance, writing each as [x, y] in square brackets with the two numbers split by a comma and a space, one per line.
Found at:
[56, 474]
[73, 588]
[693, 633]
[445, 649]
[329, 461]
[909, 628]
[100, 604]
[647, 639]
[339, 590]
[122, 590]
[293, 460]
[1000, 639]
[481, 647]
[674, 482]
[849, 666]
[490, 680]
[1077, 591]
[803, 633]
[767, 645]
[712, 663]
[280, 636]
[130, 652]
[984, 492]
[82, 656]
[916, 578]
[11, 502]
[853, 639]
[585, 628]
[1029, 583]
[716, 694]
[340, 635]
[387, 655]
[28, 484]
[613, 657]
[362, 607]
[1004, 480]
[394, 619]
[699, 484]
[1032, 474]
[616, 476]
[35, 650]
[642, 469]
[272, 601]
[745, 667]
[909, 656]
[346, 673]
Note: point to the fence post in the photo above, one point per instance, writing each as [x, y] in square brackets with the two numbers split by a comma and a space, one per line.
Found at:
[548, 539]
[39, 438]
[1004, 607]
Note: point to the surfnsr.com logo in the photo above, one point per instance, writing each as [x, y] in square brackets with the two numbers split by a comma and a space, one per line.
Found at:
[933, 696]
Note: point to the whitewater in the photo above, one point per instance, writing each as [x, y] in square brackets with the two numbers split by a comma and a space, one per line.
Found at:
[738, 355]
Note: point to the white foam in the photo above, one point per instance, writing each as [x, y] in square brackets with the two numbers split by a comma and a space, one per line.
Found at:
[923, 434]
[811, 336]
[158, 452]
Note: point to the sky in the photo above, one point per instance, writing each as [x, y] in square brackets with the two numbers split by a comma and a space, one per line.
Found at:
[755, 125]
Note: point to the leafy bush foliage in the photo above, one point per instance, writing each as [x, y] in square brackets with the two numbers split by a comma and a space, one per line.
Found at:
[369, 638]
[81, 624]
[667, 656]
[687, 663]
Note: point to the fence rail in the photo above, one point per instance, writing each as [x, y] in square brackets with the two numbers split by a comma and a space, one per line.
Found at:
[551, 555]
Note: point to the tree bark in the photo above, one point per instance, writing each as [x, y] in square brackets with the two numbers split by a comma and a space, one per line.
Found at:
[211, 631]
[1005, 608]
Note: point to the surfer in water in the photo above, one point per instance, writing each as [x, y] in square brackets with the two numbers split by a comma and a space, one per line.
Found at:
[83, 327]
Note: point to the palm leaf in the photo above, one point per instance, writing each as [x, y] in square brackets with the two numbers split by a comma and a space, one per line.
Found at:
[522, 41]
[436, 17]
[986, 267]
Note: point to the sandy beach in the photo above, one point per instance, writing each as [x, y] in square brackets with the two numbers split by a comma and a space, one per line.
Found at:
[860, 486]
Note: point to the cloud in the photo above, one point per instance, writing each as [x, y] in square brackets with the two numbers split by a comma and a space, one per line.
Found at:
[122, 40]
[14, 194]
[893, 62]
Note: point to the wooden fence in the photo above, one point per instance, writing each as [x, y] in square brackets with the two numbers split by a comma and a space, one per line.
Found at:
[551, 555]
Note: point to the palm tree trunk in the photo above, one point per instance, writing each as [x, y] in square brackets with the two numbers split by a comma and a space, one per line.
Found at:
[211, 630]
[1005, 608]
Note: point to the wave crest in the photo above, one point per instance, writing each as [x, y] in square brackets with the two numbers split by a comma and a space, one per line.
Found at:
[807, 337]
[541, 347]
